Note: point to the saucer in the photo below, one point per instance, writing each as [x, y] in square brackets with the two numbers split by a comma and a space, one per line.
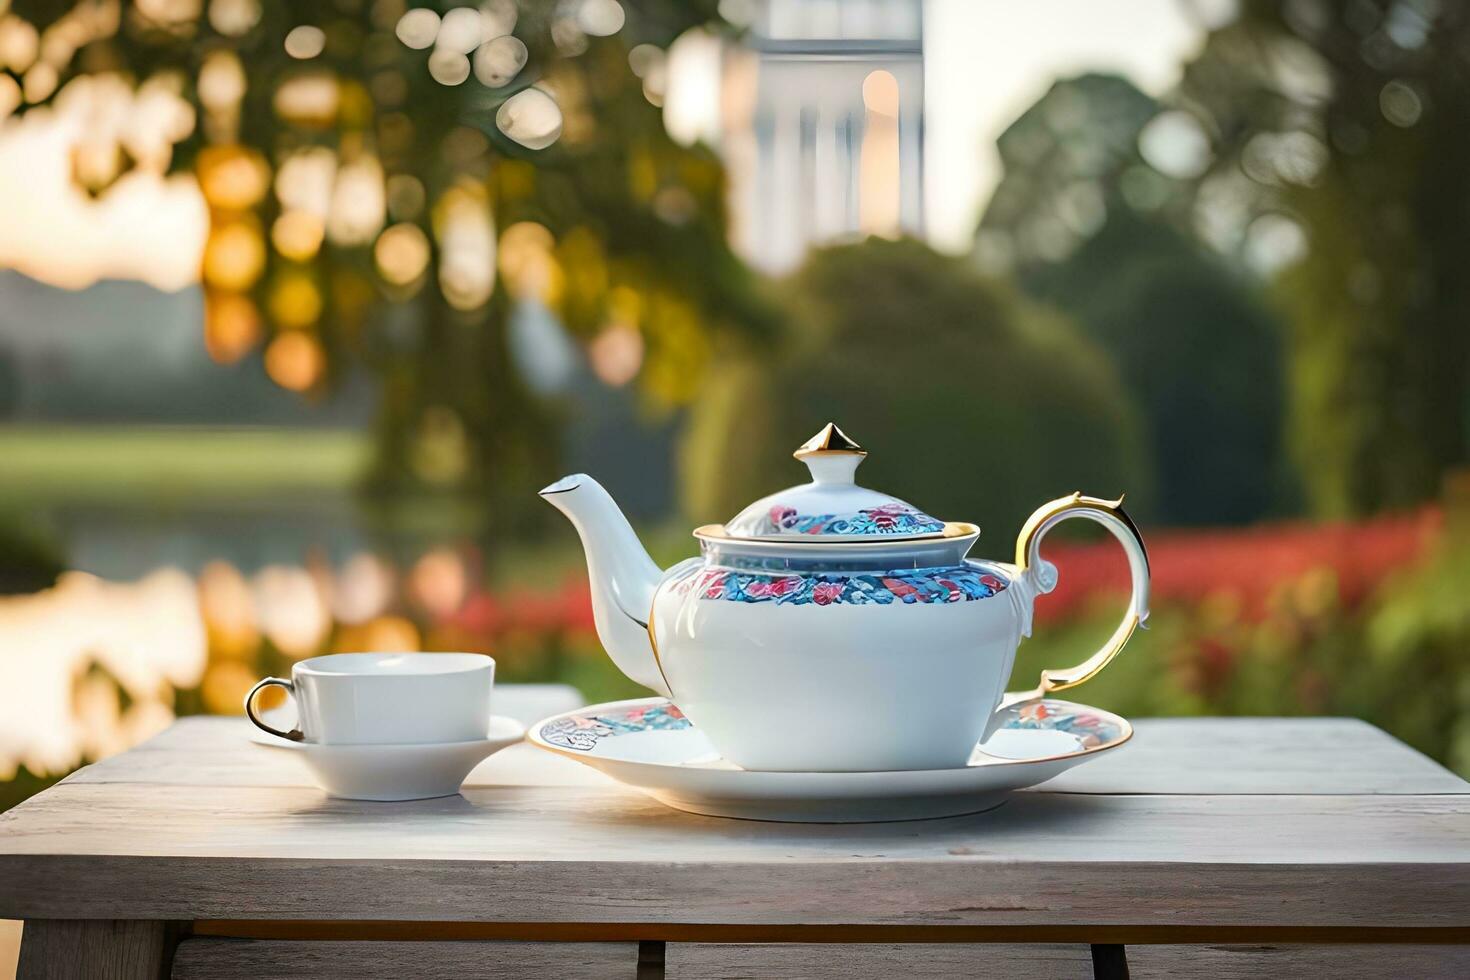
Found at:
[397, 772]
[650, 745]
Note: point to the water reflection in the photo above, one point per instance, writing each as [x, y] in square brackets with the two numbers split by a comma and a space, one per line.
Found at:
[91, 666]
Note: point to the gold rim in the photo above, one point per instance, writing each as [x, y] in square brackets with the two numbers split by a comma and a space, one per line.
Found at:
[657, 660]
[952, 529]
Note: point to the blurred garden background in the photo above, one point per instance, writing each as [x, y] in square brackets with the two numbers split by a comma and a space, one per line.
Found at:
[301, 302]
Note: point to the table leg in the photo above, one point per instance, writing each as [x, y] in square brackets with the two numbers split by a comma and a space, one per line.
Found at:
[1109, 961]
[104, 949]
[651, 957]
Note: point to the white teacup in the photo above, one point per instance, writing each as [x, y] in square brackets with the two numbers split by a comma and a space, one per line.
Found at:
[386, 698]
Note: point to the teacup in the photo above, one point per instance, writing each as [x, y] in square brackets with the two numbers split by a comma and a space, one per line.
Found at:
[385, 698]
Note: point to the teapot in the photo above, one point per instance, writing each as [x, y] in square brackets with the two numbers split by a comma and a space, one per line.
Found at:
[832, 628]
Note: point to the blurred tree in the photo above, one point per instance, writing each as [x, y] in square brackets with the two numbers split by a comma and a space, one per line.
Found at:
[976, 404]
[354, 151]
[28, 562]
[1339, 152]
[1090, 222]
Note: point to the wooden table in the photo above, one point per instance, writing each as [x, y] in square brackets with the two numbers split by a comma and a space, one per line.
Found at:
[1207, 848]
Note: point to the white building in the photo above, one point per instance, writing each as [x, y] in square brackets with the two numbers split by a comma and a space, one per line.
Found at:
[821, 123]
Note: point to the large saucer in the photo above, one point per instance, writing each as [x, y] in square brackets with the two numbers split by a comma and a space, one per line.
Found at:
[650, 745]
[398, 772]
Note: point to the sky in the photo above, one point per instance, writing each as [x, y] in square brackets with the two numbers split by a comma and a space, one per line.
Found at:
[987, 60]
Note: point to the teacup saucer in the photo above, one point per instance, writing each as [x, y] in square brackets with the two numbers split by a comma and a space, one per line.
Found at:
[398, 772]
[650, 745]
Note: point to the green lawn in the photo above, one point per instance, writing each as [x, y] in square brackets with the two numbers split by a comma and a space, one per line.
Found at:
[115, 465]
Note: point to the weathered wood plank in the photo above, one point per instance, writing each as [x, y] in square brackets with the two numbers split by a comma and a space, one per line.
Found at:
[529, 854]
[902, 895]
[199, 824]
[614, 825]
[58, 949]
[872, 961]
[1294, 756]
[255, 959]
[1341, 962]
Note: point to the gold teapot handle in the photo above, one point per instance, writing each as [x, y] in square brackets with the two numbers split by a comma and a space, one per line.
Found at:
[1042, 576]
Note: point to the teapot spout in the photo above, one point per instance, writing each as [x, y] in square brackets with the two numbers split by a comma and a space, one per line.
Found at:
[624, 579]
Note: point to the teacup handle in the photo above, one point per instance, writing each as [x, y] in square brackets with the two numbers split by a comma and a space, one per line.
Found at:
[1041, 575]
[294, 735]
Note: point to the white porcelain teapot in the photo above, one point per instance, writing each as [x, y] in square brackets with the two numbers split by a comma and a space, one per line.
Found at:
[829, 627]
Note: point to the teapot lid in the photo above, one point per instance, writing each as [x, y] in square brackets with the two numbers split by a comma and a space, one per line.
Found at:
[832, 508]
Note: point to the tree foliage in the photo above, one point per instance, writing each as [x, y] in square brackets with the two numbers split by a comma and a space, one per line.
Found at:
[1088, 224]
[384, 185]
[1344, 124]
[975, 404]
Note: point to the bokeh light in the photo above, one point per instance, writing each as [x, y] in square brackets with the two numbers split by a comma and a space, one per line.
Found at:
[291, 612]
[221, 80]
[384, 634]
[617, 354]
[294, 302]
[531, 117]
[234, 254]
[497, 18]
[296, 362]
[363, 589]
[439, 581]
[232, 325]
[448, 67]
[305, 178]
[418, 27]
[466, 237]
[500, 60]
[402, 253]
[19, 43]
[234, 18]
[305, 41]
[228, 607]
[358, 204]
[297, 235]
[308, 99]
[460, 31]
[600, 18]
[232, 178]
[526, 260]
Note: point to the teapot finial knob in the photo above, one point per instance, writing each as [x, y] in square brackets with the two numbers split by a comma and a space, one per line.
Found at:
[831, 455]
[830, 440]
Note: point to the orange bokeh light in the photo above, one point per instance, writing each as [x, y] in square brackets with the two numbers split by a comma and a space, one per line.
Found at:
[295, 361]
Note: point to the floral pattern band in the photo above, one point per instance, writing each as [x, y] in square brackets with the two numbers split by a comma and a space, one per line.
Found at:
[959, 583]
[584, 733]
[887, 519]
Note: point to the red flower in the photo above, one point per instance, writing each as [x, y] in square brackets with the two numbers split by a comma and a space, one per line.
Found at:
[714, 585]
[780, 516]
[782, 586]
[824, 593]
[900, 588]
